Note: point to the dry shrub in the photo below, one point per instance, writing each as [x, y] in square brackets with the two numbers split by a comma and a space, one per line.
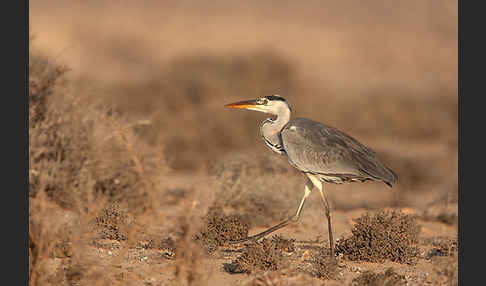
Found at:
[58, 143]
[55, 162]
[387, 278]
[83, 157]
[384, 235]
[111, 222]
[126, 169]
[219, 229]
[267, 254]
[188, 253]
[44, 77]
[79, 148]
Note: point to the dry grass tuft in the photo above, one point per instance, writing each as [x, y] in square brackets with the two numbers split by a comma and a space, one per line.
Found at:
[219, 229]
[384, 235]
[267, 254]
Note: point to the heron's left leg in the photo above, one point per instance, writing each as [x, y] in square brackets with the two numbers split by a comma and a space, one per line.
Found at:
[292, 219]
[318, 183]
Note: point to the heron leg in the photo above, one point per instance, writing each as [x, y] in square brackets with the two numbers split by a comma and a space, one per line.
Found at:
[292, 219]
[317, 182]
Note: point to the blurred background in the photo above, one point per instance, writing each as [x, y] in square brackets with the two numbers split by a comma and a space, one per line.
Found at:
[383, 71]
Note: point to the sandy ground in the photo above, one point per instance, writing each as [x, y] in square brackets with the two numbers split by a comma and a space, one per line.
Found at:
[132, 262]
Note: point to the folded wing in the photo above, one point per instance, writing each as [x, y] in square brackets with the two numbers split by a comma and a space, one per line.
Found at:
[313, 147]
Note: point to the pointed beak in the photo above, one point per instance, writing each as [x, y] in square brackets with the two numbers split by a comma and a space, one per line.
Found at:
[246, 104]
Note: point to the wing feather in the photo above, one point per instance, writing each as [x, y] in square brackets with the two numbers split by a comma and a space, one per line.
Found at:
[320, 149]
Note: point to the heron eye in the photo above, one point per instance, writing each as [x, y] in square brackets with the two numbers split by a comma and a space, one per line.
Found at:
[264, 101]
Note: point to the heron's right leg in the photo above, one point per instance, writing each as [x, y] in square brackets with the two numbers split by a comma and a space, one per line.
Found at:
[317, 182]
[293, 219]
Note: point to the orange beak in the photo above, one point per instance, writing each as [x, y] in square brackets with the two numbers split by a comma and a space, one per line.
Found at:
[246, 104]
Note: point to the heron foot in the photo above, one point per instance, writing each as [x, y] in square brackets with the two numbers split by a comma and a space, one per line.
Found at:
[292, 219]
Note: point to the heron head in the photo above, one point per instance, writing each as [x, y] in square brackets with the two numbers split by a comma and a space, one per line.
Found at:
[273, 104]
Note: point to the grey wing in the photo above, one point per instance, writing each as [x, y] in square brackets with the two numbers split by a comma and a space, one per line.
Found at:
[313, 147]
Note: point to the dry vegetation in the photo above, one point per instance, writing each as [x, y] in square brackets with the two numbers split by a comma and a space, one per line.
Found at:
[380, 236]
[79, 193]
[138, 176]
[267, 254]
[219, 229]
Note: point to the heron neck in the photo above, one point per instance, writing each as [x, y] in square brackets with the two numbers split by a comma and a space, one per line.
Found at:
[281, 120]
[271, 128]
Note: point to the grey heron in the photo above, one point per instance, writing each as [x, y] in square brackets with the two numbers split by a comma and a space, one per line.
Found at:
[321, 152]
